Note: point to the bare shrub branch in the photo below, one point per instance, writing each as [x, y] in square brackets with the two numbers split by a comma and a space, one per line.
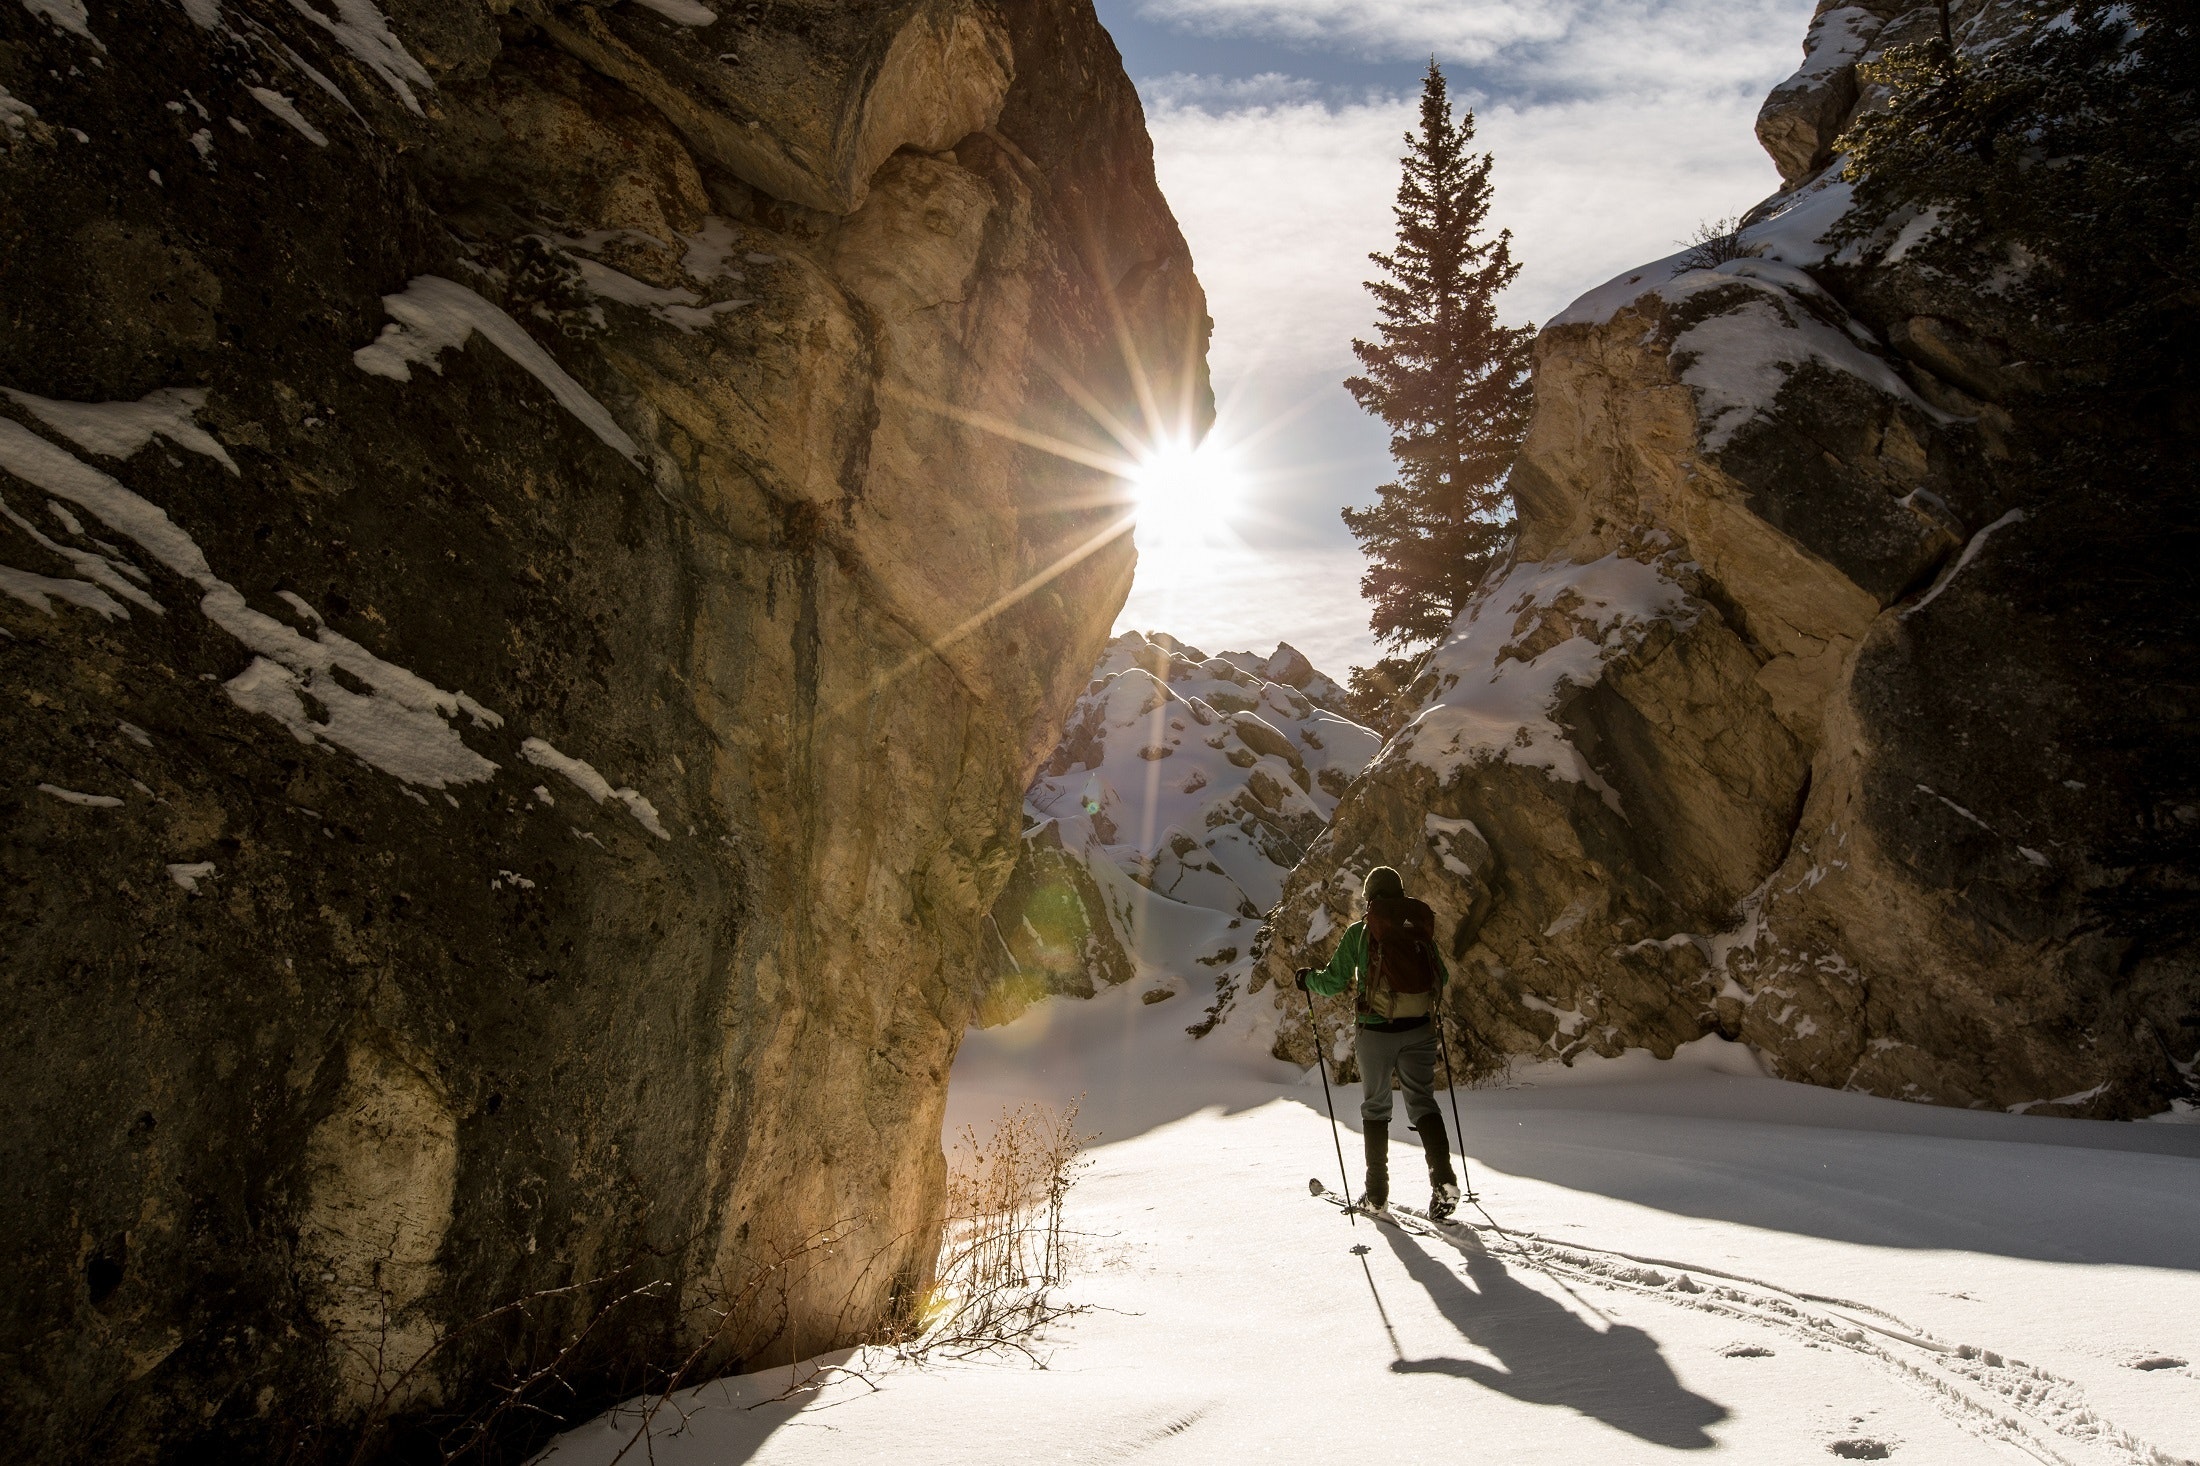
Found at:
[1003, 1248]
[1715, 242]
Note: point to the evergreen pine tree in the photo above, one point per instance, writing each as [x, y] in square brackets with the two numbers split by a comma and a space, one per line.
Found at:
[1451, 383]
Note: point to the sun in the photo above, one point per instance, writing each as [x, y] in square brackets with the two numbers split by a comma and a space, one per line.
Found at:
[1184, 495]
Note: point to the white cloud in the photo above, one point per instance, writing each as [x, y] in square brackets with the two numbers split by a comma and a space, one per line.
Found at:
[1590, 187]
[1282, 202]
[1187, 89]
[1573, 46]
[1386, 28]
[1247, 600]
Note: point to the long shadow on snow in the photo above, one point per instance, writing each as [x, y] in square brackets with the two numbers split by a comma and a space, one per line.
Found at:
[1845, 1167]
[1550, 1355]
[1132, 1062]
[723, 1421]
[1785, 1157]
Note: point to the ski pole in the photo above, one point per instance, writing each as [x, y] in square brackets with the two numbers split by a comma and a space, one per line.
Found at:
[1328, 1104]
[1466, 1182]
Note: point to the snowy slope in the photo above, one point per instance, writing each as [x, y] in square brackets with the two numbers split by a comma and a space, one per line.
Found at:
[1183, 791]
[1196, 776]
[1694, 1258]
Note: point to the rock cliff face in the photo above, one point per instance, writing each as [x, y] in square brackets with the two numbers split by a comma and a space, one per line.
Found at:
[527, 608]
[1161, 827]
[1811, 709]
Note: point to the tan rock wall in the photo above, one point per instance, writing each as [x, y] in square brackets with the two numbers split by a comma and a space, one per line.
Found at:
[718, 503]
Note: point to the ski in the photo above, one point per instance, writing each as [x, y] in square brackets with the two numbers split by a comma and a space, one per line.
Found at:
[1390, 1215]
[1442, 1226]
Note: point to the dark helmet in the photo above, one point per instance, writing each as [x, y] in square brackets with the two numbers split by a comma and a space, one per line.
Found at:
[1382, 882]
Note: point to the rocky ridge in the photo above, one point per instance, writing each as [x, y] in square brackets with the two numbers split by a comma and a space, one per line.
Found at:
[1161, 827]
[526, 613]
[1808, 710]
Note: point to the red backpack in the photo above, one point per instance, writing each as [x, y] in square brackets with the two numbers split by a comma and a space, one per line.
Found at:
[1401, 957]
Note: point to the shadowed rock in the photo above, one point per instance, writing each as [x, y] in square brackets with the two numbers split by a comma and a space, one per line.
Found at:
[520, 570]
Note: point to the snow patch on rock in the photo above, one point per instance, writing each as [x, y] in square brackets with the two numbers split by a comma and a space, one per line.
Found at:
[100, 572]
[72, 796]
[583, 776]
[16, 115]
[1835, 39]
[398, 723]
[121, 429]
[1971, 548]
[365, 32]
[287, 111]
[39, 592]
[1740, 358]
[1497, 683]
[69, 15]
[679, 308]
[1444, 837]
[434, 315]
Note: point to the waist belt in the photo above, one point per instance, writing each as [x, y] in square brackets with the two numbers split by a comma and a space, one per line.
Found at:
[1398, 1025]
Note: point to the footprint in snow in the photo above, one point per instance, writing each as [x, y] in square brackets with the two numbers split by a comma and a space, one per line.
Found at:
[2158, 1361]
[1861, 1450]
[1746, 1351]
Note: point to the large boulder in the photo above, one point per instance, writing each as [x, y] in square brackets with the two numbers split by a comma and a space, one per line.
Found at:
[1803, 114]
[814, 100]
[1817, 705]
[521, 614]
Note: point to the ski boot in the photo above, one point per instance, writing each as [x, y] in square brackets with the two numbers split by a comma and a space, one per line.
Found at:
[1376, 1198]
[1443, 1183]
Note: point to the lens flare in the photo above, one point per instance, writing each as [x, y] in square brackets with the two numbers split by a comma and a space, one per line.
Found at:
[1173, 497]
[1184, 496]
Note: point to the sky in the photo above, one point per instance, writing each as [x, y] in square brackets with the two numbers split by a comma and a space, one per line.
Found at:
[1617, 127]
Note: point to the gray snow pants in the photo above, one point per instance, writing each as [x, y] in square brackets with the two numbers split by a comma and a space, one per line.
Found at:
[1412, 1057]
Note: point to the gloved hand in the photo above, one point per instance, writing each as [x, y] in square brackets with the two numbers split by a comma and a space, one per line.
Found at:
[1303, 972]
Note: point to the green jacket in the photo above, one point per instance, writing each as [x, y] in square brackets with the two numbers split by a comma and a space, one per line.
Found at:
[1349, 961]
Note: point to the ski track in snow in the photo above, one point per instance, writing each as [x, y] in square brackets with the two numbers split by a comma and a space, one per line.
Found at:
[2024, 1399]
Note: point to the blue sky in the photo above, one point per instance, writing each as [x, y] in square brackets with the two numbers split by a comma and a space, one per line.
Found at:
[1617, 126]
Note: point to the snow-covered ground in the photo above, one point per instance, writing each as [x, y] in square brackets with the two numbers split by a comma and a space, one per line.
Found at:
[1693, 1258]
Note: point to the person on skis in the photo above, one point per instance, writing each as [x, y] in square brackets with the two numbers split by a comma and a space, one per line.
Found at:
[1389, 960]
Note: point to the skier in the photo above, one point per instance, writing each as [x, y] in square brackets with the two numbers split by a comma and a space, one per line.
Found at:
[1391, 962]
